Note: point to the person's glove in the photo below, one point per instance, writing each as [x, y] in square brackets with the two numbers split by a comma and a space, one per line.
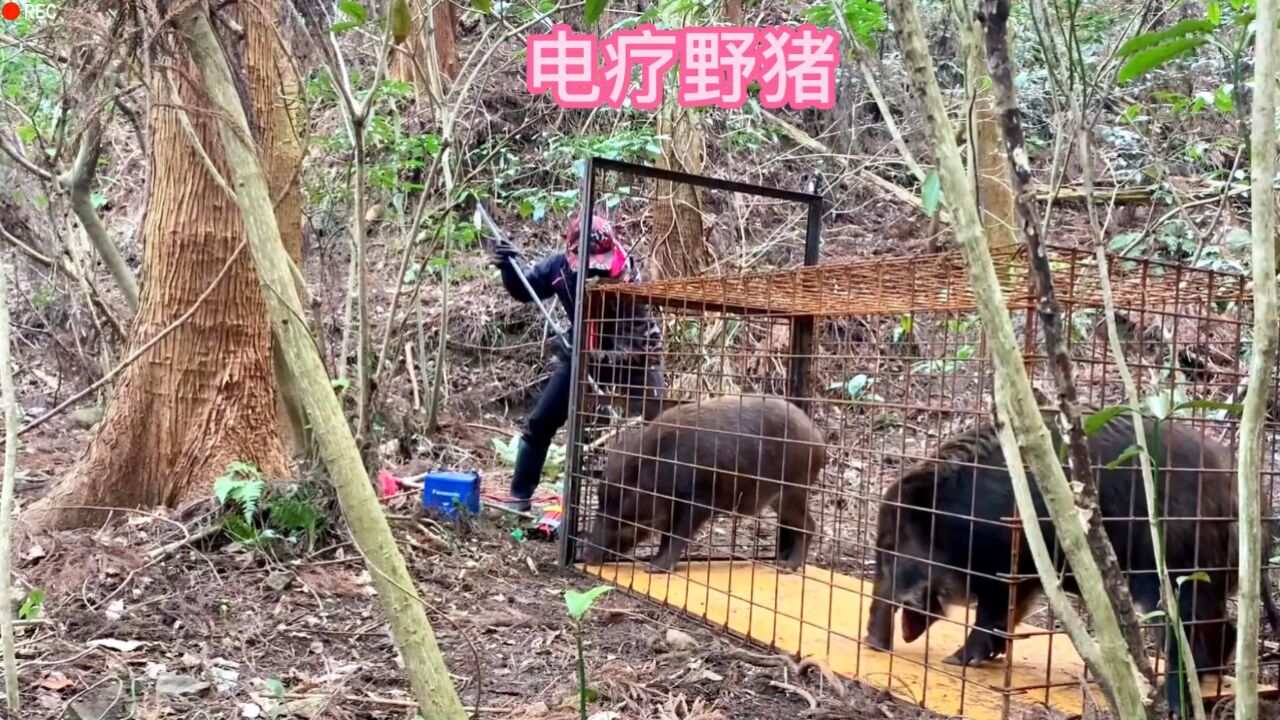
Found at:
[503, 251]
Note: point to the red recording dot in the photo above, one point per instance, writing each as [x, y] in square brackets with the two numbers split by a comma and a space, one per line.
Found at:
[11, 11]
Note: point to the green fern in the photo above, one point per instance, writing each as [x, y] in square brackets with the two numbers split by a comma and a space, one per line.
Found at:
[242, 484]
[295, 516]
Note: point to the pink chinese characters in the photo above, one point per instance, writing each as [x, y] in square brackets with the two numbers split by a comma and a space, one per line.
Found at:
[717, 66]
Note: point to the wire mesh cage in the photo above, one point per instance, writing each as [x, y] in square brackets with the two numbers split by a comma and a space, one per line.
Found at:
[824, 478]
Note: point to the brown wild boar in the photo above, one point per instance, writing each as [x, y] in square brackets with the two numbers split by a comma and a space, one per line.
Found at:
[941, 540]
[732, 454]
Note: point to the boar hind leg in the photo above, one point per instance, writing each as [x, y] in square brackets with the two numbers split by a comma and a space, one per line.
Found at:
[686, 518]
[795, 527]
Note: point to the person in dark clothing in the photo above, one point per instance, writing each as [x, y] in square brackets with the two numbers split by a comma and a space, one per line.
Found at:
[623, 347]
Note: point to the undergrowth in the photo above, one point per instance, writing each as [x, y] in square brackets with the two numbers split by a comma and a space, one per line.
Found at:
[268, 517]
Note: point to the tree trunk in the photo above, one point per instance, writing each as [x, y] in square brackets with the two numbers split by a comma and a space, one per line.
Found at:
[995, 198]
[406, 58]
[445, 20]
[679, 248]
[78, 183]
[442, 34]
[1125, 685]
[205, 395]
[275, 87]
[988, 171]
[1262, 169]
[423, 662]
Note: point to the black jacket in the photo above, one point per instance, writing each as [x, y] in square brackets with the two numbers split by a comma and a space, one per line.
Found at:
[626, 329]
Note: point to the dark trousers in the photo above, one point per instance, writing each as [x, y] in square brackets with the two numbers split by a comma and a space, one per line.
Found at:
[641, 384]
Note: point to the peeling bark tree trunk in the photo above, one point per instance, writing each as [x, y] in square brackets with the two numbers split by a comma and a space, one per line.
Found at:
[205, 395]
[679, 247]
[276, 89]
[441, 33]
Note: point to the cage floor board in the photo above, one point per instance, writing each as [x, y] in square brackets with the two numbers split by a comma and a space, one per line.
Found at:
[795, 616]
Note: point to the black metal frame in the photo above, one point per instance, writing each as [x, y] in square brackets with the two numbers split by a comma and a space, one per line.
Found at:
[801, 327]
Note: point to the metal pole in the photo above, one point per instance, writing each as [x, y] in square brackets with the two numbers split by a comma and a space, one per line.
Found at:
[573, 454]
[802, 327]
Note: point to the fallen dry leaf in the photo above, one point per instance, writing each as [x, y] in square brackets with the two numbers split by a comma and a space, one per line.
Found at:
[56, 681]
[117, 645]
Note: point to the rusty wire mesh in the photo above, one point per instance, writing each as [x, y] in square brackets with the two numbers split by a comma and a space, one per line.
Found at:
[897, 365]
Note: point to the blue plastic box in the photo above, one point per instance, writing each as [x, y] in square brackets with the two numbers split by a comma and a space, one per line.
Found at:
[441, 488]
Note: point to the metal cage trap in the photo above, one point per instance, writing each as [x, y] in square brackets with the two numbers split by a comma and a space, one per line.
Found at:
[886, 359]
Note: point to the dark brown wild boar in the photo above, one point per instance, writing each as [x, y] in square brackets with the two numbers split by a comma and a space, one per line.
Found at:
[732, 454]
[941, 540]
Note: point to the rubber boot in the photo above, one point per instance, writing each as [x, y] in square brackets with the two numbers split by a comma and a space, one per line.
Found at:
[527, 475]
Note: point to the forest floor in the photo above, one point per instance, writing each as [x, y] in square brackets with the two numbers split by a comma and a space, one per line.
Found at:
[136, 623]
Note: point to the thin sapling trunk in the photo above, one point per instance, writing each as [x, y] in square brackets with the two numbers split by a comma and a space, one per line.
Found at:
[77, 183]
[411, 632]
[9, 401]
[359, 241]
[995, 20]
[1262, 170]
[1127, 687]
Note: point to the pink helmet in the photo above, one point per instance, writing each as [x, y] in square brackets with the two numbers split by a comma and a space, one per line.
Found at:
[604, 252]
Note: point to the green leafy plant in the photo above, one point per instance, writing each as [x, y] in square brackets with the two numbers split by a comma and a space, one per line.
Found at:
[1151, 50]
[357, 13]
[963, 354]
[242, 484]
[1227, 28]
[293, 514]
[594, 9]
[278, 706]
[297, 515]
[857, 386]
[32, 605]
[931, 193]
[578, 603]
[864, 18]
[552, 467]
[902, 330]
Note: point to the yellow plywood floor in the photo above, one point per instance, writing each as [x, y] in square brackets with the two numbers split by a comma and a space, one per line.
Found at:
[823, 615]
